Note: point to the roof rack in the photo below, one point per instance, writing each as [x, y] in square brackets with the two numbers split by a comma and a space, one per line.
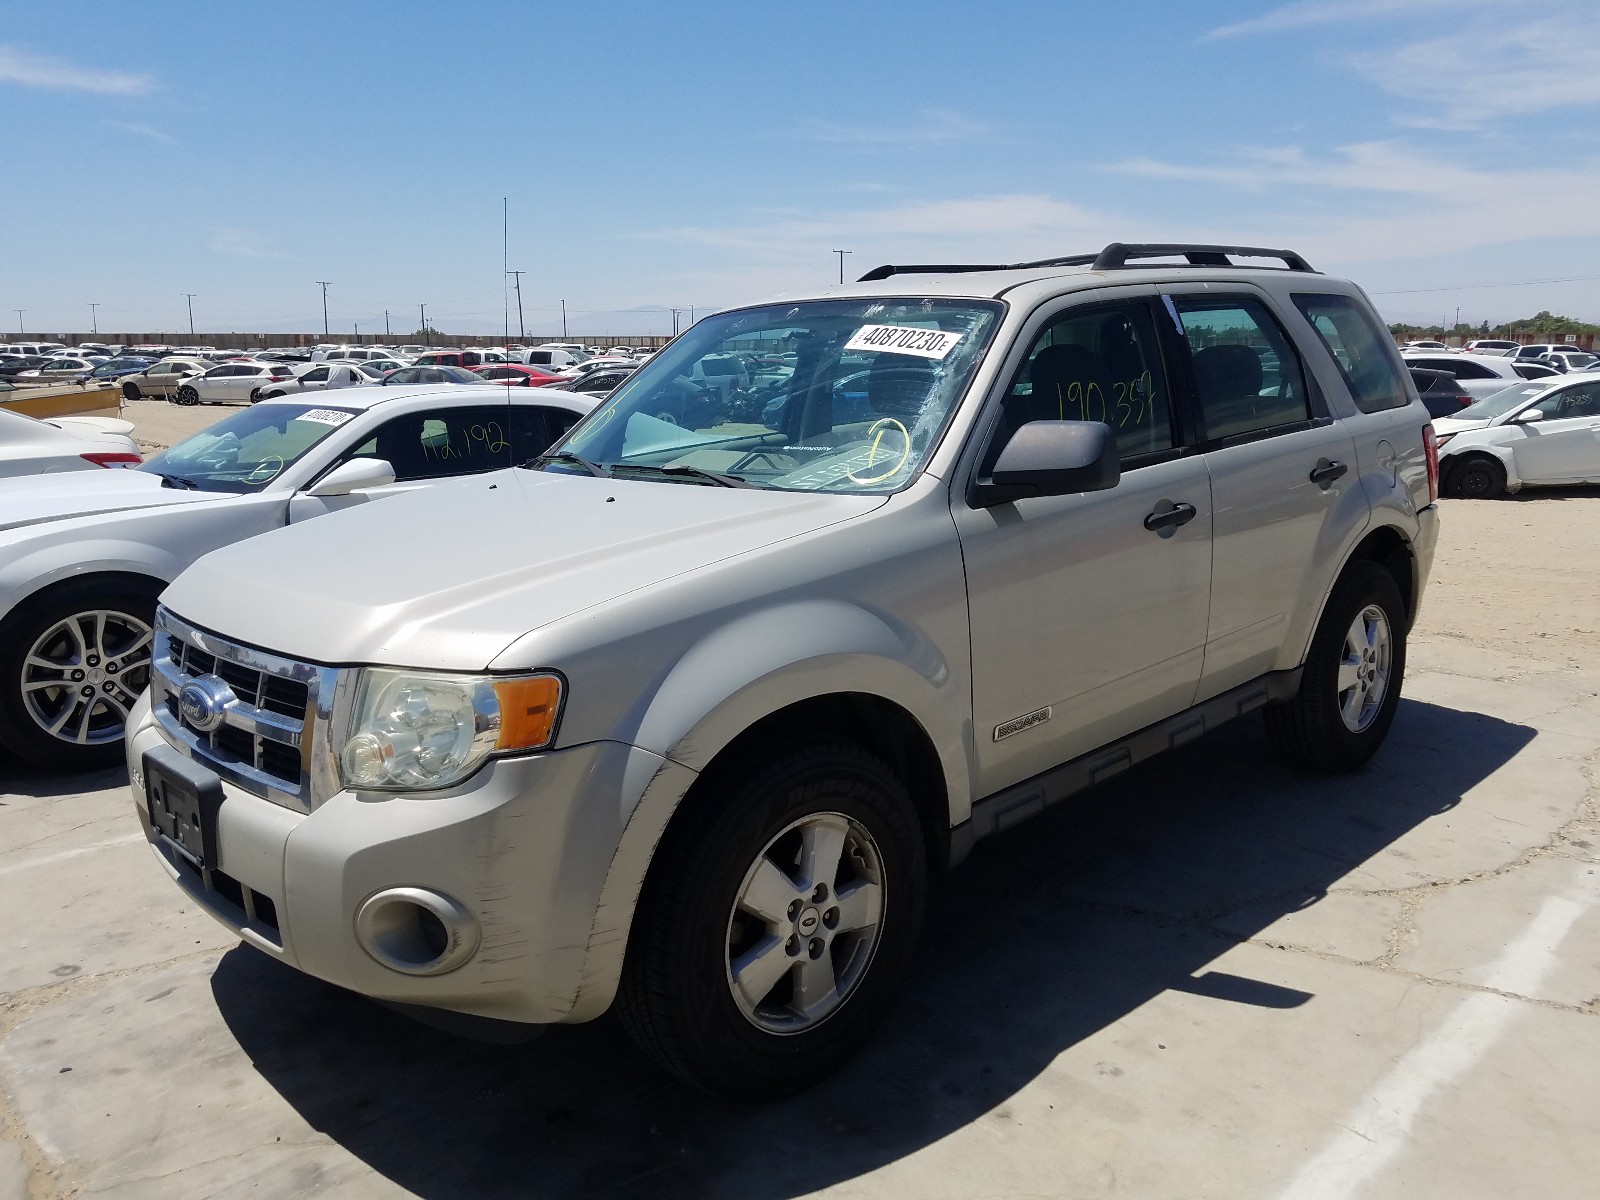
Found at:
[1113, 258]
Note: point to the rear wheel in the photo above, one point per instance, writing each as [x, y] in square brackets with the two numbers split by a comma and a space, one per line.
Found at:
[1350, 687]
[778, 918]
[130, 391]
[1478, 478]
[72, 663]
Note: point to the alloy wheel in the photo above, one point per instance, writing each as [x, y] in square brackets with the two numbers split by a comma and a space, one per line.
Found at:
[1364, 668]
[82, 675]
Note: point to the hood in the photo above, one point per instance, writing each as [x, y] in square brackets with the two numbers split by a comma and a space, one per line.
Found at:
[448, 576]
[1454, 425]
[91, 428]
[30, 499]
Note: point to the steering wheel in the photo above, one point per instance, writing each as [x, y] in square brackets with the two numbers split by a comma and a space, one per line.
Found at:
[265, 470]
[875, 433]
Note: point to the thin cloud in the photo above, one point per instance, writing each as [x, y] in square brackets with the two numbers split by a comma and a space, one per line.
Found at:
[1476, 76]
[931, 127]
[1384, 200]
[1308, 13]
[40, 70]
[144, 131]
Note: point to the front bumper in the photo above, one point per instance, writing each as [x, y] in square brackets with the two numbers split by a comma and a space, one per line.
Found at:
[525, 846]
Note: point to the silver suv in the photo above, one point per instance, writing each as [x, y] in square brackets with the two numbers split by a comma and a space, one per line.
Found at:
[683, 716]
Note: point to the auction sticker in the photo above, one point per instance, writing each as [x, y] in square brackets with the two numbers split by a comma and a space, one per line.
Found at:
[904, 339]
[325, 416]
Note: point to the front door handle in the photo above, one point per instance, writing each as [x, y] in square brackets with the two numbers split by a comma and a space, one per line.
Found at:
[1169, 518]
[1326, 470]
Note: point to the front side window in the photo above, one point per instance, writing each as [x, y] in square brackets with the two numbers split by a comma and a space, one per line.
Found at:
[858, 407]
[1363, 353]
[1096, 364]
[436, 443]
[247, 451]
[1247, 375]
[1580, 401]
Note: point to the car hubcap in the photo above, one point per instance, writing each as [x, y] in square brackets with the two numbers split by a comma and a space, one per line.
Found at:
[1364, 668]
[82, 675]
[805, 923]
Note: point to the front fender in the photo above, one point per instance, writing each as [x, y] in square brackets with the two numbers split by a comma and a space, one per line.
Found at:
[1458, 449]
[733, 677]
[30, 569]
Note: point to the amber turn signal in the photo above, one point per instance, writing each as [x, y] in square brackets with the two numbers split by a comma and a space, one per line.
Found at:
[528, 709]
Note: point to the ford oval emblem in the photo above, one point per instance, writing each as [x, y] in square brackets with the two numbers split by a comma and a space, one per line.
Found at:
[204, 702]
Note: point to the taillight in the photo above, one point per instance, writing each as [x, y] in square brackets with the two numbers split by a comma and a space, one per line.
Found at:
[1430, 449]
[113, 460]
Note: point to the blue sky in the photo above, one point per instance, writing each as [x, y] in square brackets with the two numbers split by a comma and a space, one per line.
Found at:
[1443, 153]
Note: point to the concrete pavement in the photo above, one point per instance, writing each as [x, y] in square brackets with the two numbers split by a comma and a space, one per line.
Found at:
[1215, 978]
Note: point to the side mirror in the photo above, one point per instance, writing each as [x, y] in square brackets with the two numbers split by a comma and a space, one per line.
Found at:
[1529, 416]
[1052, 458]
[353, 475]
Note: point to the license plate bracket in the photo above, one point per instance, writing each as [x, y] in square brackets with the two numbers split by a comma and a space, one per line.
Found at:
[183, 800]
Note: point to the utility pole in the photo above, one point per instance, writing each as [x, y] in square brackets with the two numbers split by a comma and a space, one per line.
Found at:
[189, 296]
[563, 320]
[841, 254]
[19, 312]
[324, 283]
[94, 318]
[424, 310]
[521, 332]
[358, 334]
[386, 324]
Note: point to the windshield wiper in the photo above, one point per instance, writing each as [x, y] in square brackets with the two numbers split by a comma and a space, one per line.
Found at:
[178, 481]
[569, 457]
[687, 472]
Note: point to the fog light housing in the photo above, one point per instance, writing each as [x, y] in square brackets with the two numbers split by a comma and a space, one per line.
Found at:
[416, 931]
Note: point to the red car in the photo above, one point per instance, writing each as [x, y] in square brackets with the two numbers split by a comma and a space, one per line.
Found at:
[517, 375]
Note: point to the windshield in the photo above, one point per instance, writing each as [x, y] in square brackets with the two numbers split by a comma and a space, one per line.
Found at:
[247, 451]
[828, 395]
[1500, 403]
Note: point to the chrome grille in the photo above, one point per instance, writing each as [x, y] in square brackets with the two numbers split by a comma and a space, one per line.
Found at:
[273, 710]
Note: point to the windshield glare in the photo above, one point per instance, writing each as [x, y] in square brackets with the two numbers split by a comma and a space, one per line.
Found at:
[828, 395]
[247, 451]
[1498, 404]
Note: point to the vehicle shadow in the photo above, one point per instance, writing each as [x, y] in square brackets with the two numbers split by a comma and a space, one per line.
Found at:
[1046, 936]
[20, 779]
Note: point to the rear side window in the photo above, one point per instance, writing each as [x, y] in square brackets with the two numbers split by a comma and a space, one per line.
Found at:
[1246, 374]
[1361, 350]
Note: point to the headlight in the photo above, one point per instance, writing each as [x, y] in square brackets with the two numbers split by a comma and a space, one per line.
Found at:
[411, 730]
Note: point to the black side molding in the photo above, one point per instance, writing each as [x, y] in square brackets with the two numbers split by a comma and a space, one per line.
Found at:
[999, 812]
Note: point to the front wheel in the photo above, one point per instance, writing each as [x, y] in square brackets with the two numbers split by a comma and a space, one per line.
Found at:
[1350, 687]
[1478, 478]
[187, 395]
[71, 665]
[778, 919]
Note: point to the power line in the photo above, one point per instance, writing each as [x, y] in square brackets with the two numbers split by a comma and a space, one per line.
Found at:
[1469, 287]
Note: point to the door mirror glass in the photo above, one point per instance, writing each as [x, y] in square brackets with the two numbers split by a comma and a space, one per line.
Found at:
[1052, 458]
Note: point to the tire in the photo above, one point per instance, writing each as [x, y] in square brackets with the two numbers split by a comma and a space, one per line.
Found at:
[1351, 684]
[130, 392]
[255, 394]
[734, 848]
[187, 395]
[100, 634]
[1479, 477]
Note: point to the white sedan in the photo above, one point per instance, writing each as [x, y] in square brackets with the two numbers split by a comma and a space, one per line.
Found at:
[1533, 435]
[323, 376]
[1478, 374]
[29, 446]
[82, 560]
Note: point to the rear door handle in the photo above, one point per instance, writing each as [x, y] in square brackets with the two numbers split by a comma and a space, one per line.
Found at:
[1171, 518]
[1327, 471]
